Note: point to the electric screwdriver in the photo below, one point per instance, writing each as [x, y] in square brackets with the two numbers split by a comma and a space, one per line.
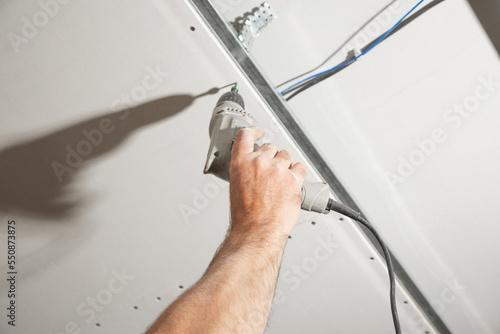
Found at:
[230, 116]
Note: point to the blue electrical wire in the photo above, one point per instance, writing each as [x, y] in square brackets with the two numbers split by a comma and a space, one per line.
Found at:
[354, 59]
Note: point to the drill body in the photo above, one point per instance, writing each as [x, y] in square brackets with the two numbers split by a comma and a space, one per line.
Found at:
[230, 116]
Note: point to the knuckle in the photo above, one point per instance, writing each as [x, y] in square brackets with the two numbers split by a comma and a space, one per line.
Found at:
[245, 130]
[286, 154]
[302, 170]
[268, 146]
[242, 133]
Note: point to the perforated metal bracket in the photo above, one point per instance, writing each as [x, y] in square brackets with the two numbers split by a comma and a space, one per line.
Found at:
[254, 23]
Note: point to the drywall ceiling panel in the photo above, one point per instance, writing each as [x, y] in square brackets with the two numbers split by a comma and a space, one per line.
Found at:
[105, 108]
[411, 130]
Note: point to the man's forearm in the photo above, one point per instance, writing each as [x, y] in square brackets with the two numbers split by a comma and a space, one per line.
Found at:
[235, 294]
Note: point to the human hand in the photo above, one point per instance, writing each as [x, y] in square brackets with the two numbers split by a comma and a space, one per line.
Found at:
[265, 187]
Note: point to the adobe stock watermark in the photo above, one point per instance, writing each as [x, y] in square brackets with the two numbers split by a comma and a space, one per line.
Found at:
[256, 319]
[203, 195]
[92, 138]
[325, 247]
[31, 26]
[374, 28]
[453, 118]
[292, 278]
[452, 291]
[96, 304]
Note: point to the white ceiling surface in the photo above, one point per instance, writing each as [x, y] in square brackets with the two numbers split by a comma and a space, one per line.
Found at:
[124, 241]
[441, 220]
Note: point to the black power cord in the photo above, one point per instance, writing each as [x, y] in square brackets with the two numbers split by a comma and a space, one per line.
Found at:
[306, 85]
[348, 212]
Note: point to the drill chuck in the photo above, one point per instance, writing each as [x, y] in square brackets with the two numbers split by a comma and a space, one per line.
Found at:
[232, 96]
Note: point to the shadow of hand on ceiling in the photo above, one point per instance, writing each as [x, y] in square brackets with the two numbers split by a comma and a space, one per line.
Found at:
[35, 174]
